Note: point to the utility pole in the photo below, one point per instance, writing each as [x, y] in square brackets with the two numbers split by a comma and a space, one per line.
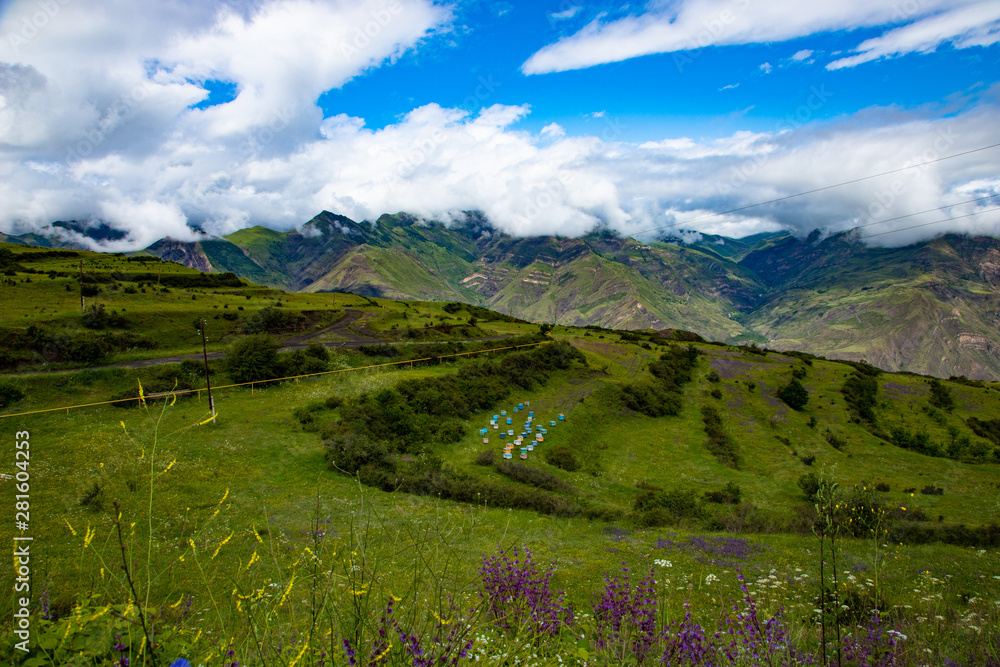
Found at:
[82, 309]
[208, 381]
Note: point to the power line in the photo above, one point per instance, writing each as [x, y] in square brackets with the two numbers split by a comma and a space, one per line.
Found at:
[809, 192]
[930, 210]
[936, 222]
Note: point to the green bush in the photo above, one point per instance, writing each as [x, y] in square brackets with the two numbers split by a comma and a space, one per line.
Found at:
[350, 452]
[272, 319]
[861, 393]
[719, 444]
[10, 394]
[561, 456]
[940, 396]
[809, 483]
[253, 358]
[532, 476]
[727, 496]
[794, 395]
[679, 503]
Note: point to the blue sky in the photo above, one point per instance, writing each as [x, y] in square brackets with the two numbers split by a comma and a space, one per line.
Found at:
[708, 92]
[166, 117]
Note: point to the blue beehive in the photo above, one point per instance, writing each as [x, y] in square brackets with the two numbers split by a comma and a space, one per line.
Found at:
[531, 415]
[502, 434]
[562, 417]
[509, 420]
[520, 406]
[496, 417]
[552, 423]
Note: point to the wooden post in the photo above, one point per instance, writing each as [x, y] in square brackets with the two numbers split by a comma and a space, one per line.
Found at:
[208, 380]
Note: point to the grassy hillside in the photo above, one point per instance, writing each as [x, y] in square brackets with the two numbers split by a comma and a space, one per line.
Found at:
[258, 482]
[252, 536]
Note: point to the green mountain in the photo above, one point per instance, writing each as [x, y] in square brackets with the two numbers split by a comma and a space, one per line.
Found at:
[930, 308]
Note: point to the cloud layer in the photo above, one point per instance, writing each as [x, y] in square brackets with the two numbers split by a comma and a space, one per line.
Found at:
[692, 24]
[116, 136]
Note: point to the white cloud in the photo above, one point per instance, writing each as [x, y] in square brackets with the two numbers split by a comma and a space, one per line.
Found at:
[553, 130]
[668, 27]
[766, 68]
[802, 55]
[111, 137]
[729, 87]
[567, 13]
[963, 27]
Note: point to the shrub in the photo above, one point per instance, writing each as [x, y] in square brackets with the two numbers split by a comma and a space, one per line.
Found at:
[719, 444]
[713, 376]
[487, 457]
[727, 496]
[382, 350]
[835, 440]
[808, 460]
[680, 503]
[809, 483]
[861, 393]
[716, 393]
[9, 394]
[984, 428]
[350, 452]
[532, 476]
[333, 402]
[931, 490]
[561, 456]
[915, 442]
[318, 351]
[940, 396]
[794, 395]
[271, 319]
[97, 317]
[253, 358]
[301, 363]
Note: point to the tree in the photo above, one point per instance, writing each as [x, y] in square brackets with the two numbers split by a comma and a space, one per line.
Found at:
[794, 395]
[940, 396]
[253, 358]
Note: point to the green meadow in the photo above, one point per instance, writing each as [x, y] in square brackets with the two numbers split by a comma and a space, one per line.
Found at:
[160, 534]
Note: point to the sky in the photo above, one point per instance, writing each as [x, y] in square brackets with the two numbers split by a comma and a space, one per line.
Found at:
[185, 117]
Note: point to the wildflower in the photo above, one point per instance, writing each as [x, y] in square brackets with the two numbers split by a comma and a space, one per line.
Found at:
[180, 662]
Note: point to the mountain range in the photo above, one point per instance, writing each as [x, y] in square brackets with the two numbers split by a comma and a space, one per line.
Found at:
[930, 308]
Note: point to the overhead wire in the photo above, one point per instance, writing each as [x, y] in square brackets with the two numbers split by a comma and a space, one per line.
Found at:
[815, 190]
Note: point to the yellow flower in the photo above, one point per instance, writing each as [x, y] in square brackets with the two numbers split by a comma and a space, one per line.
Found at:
[70, 526]
[221, 544]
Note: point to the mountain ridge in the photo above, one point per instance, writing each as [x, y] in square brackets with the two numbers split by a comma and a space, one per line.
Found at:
[930, 307]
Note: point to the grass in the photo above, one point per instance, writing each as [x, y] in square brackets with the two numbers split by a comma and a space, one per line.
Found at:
[258, 469]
